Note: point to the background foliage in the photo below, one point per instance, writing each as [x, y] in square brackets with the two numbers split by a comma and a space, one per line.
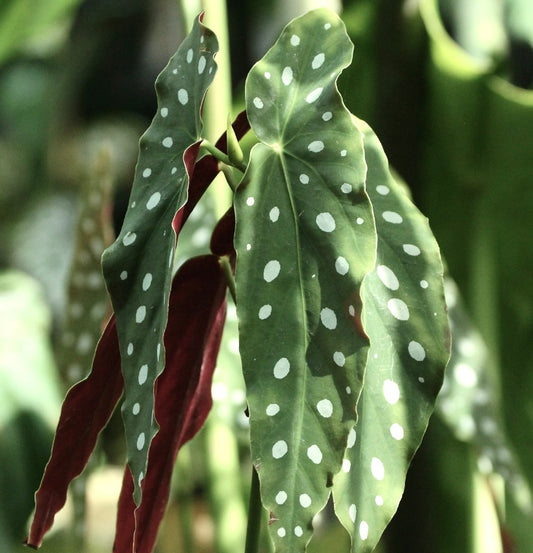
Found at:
[448, 93]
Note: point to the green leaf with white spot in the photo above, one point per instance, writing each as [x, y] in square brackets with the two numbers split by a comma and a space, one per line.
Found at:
[468, 402]
[405, 318]
[305, 239]
[138, 266]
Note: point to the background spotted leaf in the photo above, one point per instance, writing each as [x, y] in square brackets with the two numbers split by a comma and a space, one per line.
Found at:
[406, 322]
[305, 238]
[87, 296]
[138, 266]
[468, 402]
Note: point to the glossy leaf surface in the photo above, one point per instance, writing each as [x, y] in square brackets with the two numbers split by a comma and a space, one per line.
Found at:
[138, 266]
[405, 319]
[305, 239]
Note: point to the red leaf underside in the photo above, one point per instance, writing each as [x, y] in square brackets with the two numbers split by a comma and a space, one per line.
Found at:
[182, 395]
[86, 410]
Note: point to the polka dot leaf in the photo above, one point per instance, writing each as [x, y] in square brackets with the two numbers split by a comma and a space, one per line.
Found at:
[138, 266]
[87, 296]
[468, 402]
[305, 239]
[405, 318]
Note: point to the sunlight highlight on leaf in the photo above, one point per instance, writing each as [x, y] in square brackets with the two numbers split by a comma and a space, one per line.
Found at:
[305, 239]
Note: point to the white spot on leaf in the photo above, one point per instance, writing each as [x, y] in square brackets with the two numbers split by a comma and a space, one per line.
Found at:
[318, 60]
[314, 453]
[377, 468]
[398, 309]
[282, 368]
[314, 95]
[328, 318]
[325, 408]
[341, 265]
[295, 40]
[305, 500]
[143, 375]
[316, 146]
[271, 270]
[416, 351]
[286, 76]
[274, 214]
[140, 314]
[392, 217]
[391, 391]
[258, 103]
[183, 96]
[154, 199]
[387, 277]
[411, 249]
[279, 449]
[325, 222]
[396, 431]
[265, 311]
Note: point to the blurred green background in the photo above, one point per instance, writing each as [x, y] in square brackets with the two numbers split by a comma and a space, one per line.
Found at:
[448, 87]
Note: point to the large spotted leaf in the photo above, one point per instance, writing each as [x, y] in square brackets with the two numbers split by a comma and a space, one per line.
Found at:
[138, 266]
[305, 239]
[406, 322]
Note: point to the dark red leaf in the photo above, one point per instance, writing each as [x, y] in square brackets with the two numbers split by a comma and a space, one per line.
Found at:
[86, 410]
[182, 395]
[222, 237]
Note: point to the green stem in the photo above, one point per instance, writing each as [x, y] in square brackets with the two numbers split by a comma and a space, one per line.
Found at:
[221, 156]
[228, 274]
[255, 509]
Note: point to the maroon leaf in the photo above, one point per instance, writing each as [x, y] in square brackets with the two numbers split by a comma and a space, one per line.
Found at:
[182, 395]
[222, 237]
[86, 410]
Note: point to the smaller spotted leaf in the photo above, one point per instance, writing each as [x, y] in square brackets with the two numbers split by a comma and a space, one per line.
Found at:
[182, 395]
[305, 239]
[87, 296]
[138, 266]
[405, 318]
[468, 402]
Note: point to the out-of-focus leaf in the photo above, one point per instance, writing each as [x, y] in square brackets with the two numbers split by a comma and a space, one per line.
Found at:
[468, 402]
[404, 316]
[21, 20]
[138, 266]
[27, 369]
[305, 238]
[87, 296]
[182, 395]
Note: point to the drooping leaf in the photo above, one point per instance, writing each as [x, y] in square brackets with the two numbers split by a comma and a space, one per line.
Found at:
[182, 395]
[305, 238]
[86, 410]
[404, 316]
[468, 402]
[138, 266]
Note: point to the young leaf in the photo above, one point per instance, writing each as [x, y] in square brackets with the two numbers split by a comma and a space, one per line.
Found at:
[305, 238]
[405, 318]
[182, 395]
[86, 410]
[138, 266]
